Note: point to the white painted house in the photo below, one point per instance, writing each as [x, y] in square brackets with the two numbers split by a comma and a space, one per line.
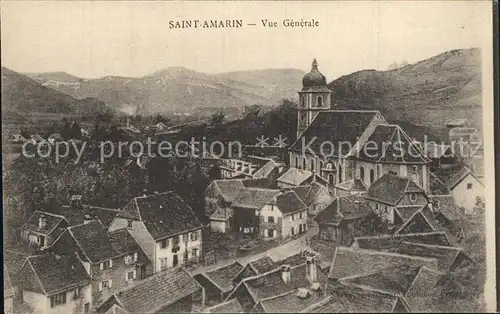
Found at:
[165, 227]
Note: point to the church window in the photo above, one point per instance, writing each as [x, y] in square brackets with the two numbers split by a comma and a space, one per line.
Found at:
[320, 101]
[340, 173]
[331, 178]
[329, 166]
[312, 164]
[297, 162]
[372, 176]
[304, 163]
[362, 173]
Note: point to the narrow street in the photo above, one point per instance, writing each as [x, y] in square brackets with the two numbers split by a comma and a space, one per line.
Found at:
[276, 253]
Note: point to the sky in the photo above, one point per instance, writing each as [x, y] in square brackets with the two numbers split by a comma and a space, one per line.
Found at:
[100, 38]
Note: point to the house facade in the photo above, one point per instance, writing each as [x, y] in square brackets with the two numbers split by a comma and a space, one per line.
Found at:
[53, 284]
[394, 198]
[165, 227]
[113, 260]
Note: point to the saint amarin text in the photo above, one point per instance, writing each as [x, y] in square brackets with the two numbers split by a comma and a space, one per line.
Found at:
[205, 24]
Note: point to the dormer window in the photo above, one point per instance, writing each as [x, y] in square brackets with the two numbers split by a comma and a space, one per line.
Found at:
[413, 197]
[129, 224]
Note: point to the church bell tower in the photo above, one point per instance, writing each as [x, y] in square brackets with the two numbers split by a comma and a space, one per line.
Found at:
[314, 97]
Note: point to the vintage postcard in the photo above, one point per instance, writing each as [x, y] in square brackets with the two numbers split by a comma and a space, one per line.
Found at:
[246, 157]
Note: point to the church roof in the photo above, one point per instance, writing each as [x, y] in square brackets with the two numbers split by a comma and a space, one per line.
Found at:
[390, 144]
[339, 128]
[314, 80]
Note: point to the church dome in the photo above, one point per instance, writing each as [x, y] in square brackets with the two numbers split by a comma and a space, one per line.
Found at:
[314, 78]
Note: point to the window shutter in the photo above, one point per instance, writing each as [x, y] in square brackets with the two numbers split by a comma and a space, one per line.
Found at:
[110, 283]
[135, 274]
[135, 257]
[110, 263]
[101, 267]
[100, 285]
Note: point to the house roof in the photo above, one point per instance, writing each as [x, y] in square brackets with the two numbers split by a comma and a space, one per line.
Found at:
[77, 216]
[262, 265]
[271, 283]
[407, 211]
[388, 242]
[390, 144]
[397, 279]
[223, 277]
[462, 131]
[445, 255]
[335, 126]
[452, 176]
[352, 299]
[355, 185]
[97, 244]
[51, 223]
[54, 274]
[445, 204]
[344, 208]
[350, 261]
[8, 290]
[152, 294]
[231, 306]
[288, 202]
[221, 214]
[295, 176]
[229, 189]
[254, 198]
[390, 189]
[266, 169]
[290, 302]
[423, 220]
[164, 214]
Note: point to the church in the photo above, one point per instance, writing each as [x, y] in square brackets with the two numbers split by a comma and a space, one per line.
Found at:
[344, 146]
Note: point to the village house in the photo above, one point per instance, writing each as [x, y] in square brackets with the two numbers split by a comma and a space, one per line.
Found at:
[316, 196]
[219, 196]
[306, 278]
[394, 199]
[271, 214]
[42, 229]
[169, 291]
[467, 135]
[55, 284]
[218, 283]
[345, 218]
[294, 177]
[387, 241]
[8, 292]
[348, 262]
[350, 187]
[113, 259]
[460, 182]
[165, 227]
[248, 167]
[253, 268]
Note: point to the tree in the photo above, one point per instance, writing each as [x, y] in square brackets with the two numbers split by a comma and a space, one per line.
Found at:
[253, 110]
[76, 131]
[218, 118]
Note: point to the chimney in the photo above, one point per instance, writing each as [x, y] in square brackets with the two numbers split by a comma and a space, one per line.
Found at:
[144, 192]
[76, 201]
[42, 221]
[311, 270]
[285, 273]
[358, 204]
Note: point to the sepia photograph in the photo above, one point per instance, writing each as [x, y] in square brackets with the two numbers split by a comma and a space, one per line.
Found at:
[247, 157]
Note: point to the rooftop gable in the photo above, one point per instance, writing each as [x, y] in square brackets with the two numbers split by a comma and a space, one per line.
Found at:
[52, 221]
[164, 214]
[97, 244]
[351, 261]
[389, 189]
[255, 198]
[289, 203]
[388, 242]
[154, 293]
[223, 277]
[336, 126]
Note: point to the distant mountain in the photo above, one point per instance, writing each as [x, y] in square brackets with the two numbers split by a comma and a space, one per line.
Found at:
[23, 96]
[428, 92]
[178, 88]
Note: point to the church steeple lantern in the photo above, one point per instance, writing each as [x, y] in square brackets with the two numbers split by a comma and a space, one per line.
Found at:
[314, 97]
